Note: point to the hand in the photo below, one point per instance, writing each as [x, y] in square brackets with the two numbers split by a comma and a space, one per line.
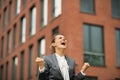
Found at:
[40, 62]
[85, 67]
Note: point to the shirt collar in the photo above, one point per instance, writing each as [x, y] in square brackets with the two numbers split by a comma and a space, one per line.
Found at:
[59, 57]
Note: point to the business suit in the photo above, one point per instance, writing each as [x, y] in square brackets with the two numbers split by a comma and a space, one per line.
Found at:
[52, 70]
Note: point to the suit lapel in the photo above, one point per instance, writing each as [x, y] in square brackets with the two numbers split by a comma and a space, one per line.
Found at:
[56, 64]
[69, 64]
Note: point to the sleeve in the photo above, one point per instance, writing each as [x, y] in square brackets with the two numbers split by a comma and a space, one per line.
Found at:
[44, 72]
[79, 76]
[41, 70]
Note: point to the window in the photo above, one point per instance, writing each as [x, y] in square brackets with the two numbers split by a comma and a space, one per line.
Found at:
[24, 2]
[2, 47]
[0, 3]
[18, 6]
[55, 30]
[44, 12]
[14, 68]
[33, 21]
[56, 7]
[87, 6]
[41, 47]
[7, 70]
[93, 45]
[118, 47]
[8, 42]
[22, 66]
[5, 18]
[10, 11]
[30, 60]
[23, 30]
[14, 36]
[1, 73]
[115, 8]
[117, 78]
[91, 78]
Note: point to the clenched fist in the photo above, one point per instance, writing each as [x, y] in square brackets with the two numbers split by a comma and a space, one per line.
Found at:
[40, 62]
[85, 67]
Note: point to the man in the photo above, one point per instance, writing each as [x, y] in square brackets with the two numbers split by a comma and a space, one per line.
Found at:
[57, 66]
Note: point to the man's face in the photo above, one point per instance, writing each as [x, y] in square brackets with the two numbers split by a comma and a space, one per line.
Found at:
[60, 42]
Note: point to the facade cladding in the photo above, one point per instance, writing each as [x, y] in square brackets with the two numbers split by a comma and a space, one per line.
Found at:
[92, 28]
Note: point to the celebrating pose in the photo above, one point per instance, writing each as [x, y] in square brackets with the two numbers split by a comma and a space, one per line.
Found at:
[58, 66]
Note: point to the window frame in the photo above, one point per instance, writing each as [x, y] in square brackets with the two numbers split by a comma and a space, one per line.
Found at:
[93, 53]
[86, 11]
[33, 22]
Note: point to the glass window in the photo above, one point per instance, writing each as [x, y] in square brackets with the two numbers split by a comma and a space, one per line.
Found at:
[41, 47]
[1, 73]
[24, 2]
[44, 12]
[7, 70]
[117, 78]
[14, 68]
[5, 18]
[118, 47]
[33, 21]
[115, 8]
[0, 3]
[30, 60]
[93, 45]
[8, 42]
[14, 36]
[91, 78]
[10, 10]
[87, 6]
[23, 29]
[56, 7]
[18, 3]
[55, 30]
[2, 47]
[22, 66]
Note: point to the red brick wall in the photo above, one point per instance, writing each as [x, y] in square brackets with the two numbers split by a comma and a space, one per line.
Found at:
[71, 25]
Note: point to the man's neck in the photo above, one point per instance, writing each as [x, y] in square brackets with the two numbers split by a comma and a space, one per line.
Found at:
[60, 52]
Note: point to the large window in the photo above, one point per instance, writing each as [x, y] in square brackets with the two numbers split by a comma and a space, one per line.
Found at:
[33, 21]
[22, 66]
[0, 3]
[30, 61]
[44, 12]
[41, 47]
[24, 2]
[118, 47]
[18, 3]
[2, 47]
[91, 78]
[10, 11]
[14, 68]
[14, 36]
[5, 18]
[93, 45]
[115, 8]
[8, 42]
[56, 7]
[7, 70]
[87, 6]
[23, 30]
[55, 30]
[117, 78]
[1, 72]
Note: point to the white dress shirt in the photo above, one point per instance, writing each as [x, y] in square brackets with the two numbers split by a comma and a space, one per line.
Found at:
[64, 68]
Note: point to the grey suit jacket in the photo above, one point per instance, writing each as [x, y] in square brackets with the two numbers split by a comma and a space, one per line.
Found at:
[52, 70]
